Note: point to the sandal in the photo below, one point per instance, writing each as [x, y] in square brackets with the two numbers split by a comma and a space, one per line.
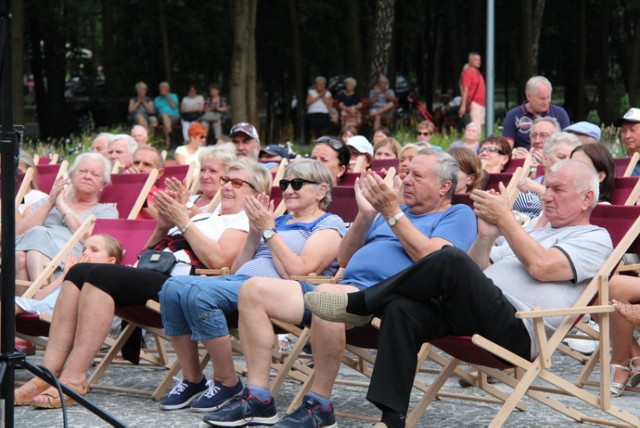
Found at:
[634, 377]
[22, 396]
[616, 388]
[630, 312]
[52, 396]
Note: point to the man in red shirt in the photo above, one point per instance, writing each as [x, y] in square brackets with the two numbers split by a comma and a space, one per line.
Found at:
[472, 90]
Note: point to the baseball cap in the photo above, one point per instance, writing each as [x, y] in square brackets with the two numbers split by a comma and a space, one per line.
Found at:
[275, 150]
[584, 128]
[633, 115]
[245, 128]
[361, 144]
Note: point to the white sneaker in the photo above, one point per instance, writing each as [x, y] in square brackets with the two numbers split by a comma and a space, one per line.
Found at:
[584, 346]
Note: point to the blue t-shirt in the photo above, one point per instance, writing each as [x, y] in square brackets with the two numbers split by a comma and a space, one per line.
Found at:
[382, 254]
[162, 105]
[517, 123]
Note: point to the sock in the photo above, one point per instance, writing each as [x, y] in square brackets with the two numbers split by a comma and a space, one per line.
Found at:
[356, 304]
[261, 394]
[325, 402]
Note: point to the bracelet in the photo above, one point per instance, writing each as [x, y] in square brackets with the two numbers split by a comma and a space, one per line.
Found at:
[66, 213]
[184, 228]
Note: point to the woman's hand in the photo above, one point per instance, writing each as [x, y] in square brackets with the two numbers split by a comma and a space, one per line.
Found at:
[260, 212]
[73, 260]
[529, 185]
[57, 190]
[182, 193]
[170, 211]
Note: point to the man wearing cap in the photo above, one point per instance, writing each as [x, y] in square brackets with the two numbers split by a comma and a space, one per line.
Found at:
[517, 123]
[246, 139]
[587, 132]
[630, 134]
[272, 155]
[359, 147]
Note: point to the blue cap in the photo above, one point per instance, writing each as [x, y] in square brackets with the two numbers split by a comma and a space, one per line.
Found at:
[275, 150]
[584, 128]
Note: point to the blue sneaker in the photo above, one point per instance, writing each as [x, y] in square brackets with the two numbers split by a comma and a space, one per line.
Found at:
[183, 394]
[216, 396]
[309, 415]
[244, 410]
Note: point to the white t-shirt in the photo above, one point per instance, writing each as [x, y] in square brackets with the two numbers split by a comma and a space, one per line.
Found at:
[190, 103]
[318, 106]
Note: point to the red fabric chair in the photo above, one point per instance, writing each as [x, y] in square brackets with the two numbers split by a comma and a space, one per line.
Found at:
[175, 171]
[129, 192]
[343, 203]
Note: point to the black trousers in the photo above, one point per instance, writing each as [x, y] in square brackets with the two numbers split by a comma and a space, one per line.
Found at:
[443, 294]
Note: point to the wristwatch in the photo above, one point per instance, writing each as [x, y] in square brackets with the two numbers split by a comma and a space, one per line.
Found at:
[184, 228]
[392, 221]
[268, 234]
[189, 205]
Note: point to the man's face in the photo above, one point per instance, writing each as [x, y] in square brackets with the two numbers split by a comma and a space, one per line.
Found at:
[140, 135]
[245, 145]
[540, 132]
[163, 88]
[99, 145]
[563, 204]
[540, 99]
[630, 135]
[422, 189]
[146, 160]
[475, 61]
[119, 151]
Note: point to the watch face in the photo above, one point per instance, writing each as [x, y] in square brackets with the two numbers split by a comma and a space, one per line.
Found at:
[189, 205]
[392, 221]
[267, 234]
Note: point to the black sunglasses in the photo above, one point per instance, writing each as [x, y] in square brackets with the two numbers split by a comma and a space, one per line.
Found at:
[296, 183]
[236, 183]
[335, 144]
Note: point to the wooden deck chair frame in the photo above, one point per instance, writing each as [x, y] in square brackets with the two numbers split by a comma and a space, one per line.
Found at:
[24, 187]
[142, 196]
[62, 170]
[634, 195]
[539, 368]
[633, 160]
[280, 172]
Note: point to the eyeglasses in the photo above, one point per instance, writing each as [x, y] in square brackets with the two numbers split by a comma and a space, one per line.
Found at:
[335, 144]
[542, 135]
[296, 183]
[236, 183]
[490, 150]
[426, 134]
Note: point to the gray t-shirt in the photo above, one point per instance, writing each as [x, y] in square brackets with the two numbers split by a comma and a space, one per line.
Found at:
[587, 247]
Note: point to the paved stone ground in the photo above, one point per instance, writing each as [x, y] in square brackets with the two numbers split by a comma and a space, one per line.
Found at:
[141, 411]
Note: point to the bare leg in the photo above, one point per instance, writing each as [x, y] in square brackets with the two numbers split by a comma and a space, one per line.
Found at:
[21, 266]
[624, 289]
[187, 353]
[36, 261]
[166, 129]
[222, 357]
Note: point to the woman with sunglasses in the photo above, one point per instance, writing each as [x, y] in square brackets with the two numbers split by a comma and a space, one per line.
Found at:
[91, 292]
[304, 241]
[189, 151]
[334, 154]
[495, 153]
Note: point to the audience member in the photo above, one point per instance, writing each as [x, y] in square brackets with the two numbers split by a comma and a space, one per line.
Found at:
[597, 156]
[545, 268]
[91, 292]
[43, 230]
[542, 128]
[517, 123]
[334, 154]
[380, 134]
[471, 175]
[471, 138]
[389, 148]
[140, 107]
[188, 152]
[630, 134]
[407, 153]
[348, 132]
[120, 149]
[472, 90]
[350, 104]
[318, 103]
[140, 134]
[191, 109]
[272, 155]
[145, 159]
[215, 107]
[100, 143]
[424, 133]
[33, 195]
[246, 139]
[166, 105]
[223, 139]
[361, 153]
[304, 241]
[384, 239]
[587, 132]
[495, 153]
[382, 101]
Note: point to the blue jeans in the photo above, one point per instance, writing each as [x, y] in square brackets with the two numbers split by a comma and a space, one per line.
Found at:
[197, 305]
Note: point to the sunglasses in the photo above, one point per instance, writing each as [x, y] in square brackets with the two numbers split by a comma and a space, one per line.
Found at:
[490, 150]
[296, 183]
[236, 183]
[335, 144]
[425, 134]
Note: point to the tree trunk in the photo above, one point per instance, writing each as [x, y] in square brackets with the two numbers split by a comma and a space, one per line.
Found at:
[298, 74]
[164, 35]
[17, 50]
[108, 61]
[536, 27]
[382, 39]
[38, 72]
[355, 56]
[251, 96]
[580, 107]
[526, 61]
[55, 66]
[453, 47]
[603, 69]
[632, 83]
[243, 14]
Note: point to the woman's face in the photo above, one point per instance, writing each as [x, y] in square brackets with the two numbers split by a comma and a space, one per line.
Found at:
[210, 173]
[406, 157]
[232, 197]
[464, 181]
[321, 85]
[492, 158]
[560, 151]
[198, 140]
[95, 248]
[378, 136]
[471, 133]
[349, 86]
[141, 91]
[214, 92]
[88, 177]
[304, 199]
[192, 92]
[329, 158]
[385, 152]
[424, 135]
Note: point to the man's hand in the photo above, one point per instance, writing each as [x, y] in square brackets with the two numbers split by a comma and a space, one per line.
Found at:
[377, 194]
[490, 206]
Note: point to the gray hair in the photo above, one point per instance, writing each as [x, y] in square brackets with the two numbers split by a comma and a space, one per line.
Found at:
[141, 85]
[321, 79]
[153, 150]
[132, 146]
[213, 153]
[534, 82]
[584, 177]
[141, 128]
[475, 125]
[352, 80]
[106, 165]
[446, 168]
[26, 158]
[312, 170]
[260, 176]
[560, 138]
[550, 119]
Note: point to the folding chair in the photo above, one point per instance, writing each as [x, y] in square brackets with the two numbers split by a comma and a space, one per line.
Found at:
[129, 192]
[174, 171]
[625, 166]
[623, 224]
[626, 191]
[24, 184]
[380, 164]
[48, 174]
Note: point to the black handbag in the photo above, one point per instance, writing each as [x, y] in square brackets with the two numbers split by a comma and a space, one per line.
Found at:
[157, 261]
[190, 116]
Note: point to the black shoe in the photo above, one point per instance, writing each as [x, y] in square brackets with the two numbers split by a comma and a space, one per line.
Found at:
[310, 415]
[244, 410]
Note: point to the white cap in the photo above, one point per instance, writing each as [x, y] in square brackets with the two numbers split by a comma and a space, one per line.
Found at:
[633, 115]
[361, 144]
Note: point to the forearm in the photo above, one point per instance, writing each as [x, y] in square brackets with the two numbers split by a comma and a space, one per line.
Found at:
[156, 236]
[248, 251]
[480, 251]
[208, 251]
[35, 218]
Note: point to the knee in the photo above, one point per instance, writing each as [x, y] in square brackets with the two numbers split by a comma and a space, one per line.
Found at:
[93, 293]
[251, 292]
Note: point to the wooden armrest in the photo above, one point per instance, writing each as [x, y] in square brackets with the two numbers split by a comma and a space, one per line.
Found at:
[46, 317]
[153, 305]
[577, 310]
[213, 272]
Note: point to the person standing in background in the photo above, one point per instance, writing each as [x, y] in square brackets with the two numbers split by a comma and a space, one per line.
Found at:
[472, 90]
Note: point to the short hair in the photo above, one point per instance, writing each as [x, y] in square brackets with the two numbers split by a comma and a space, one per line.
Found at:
[344, 155]
[214, 85]
[560, 137]
[197, 129]
[475, 125]
[312, 170]
[321, 79]
[585, 177]
[446, 167]
[473, 54]
[106, 165]
[389, 141]
[383, 77]
[142, 128]
[535, 81]
[469, 163]
[113, 247]
[217, 153]
[502, 142]
[260, 176]
[602, 162]
[26, 158]
[155, 151]
[352, 80]
[407, 147]
[427, 124]
[549, 119]
[141, 85]
[384, 130]
[132, 145]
